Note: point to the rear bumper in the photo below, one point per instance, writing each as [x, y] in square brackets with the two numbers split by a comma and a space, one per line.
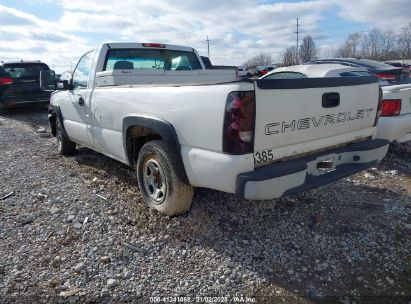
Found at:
[288, 177]
[395, 128]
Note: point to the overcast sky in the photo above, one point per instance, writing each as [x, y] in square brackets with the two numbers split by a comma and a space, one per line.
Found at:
[59, 31]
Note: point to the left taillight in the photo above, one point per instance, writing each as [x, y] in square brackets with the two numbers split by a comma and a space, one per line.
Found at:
[239, 123]
[6, 80]
[391, 107]
[378, 115]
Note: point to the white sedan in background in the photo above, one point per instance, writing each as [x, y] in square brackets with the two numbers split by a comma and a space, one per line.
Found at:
[395, 121]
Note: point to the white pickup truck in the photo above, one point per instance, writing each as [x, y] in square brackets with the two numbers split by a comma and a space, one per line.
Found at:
[156, 108]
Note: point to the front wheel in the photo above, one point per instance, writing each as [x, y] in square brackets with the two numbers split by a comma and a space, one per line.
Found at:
[64, 144]
[158, 181]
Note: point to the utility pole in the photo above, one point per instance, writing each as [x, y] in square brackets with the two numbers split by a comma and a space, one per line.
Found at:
[208, 46]
[297, 32]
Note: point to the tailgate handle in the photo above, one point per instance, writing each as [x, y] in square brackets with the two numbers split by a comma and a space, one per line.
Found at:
[331, 100]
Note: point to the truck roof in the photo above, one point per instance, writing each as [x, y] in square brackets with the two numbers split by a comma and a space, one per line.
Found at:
[134, 45]
[21, 61]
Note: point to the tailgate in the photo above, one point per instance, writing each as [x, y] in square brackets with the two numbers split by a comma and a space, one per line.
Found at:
[26, 80]
[296, 114]
[24, 88]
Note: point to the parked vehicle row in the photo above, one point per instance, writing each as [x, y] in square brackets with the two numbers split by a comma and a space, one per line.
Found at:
[244, 72]
[264, 69]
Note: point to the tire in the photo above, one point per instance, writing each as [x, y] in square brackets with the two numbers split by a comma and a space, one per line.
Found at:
[65, 145]
[2, 108]
[158, 181]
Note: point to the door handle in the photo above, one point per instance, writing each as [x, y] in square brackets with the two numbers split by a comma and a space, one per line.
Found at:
[331, 100]
[81, 101]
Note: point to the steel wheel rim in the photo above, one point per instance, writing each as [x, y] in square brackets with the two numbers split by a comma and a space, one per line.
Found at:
[154, 181]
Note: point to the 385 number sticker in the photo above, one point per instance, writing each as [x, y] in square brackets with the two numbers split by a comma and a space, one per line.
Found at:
[263, 156]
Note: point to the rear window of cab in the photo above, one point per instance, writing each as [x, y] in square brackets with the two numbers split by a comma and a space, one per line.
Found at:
[151, 59]
[24, 70]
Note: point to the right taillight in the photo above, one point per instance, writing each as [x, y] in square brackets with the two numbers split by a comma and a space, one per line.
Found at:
[6, 80]
[239, 120]
[391, 107]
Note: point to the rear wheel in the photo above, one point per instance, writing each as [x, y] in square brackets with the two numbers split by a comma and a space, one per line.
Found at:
[159, 184]
[65, 145]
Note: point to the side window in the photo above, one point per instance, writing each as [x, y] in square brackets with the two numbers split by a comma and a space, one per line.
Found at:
[181, 61]
[25, 70]
[82, 71]
[286, 75]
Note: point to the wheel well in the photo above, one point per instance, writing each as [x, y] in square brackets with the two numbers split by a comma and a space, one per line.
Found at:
[136, 137]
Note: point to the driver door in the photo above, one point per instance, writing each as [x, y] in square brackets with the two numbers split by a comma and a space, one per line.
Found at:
[74, 112]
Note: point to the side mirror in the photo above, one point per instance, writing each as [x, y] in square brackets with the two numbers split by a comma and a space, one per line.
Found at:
[48, 80]
[70, 83]
[63, 85]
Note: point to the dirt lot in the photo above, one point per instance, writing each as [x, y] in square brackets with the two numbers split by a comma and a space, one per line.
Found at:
[75, 230]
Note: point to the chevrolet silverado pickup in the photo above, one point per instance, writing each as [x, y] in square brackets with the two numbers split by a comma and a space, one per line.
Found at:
[157, 109]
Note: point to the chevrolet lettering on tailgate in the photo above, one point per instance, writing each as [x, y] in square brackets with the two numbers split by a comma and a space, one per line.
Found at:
[309, 122]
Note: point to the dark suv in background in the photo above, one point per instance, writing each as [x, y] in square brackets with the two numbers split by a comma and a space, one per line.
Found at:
[20, 84]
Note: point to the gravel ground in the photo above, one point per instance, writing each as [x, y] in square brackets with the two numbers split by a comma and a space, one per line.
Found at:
[75, 230]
